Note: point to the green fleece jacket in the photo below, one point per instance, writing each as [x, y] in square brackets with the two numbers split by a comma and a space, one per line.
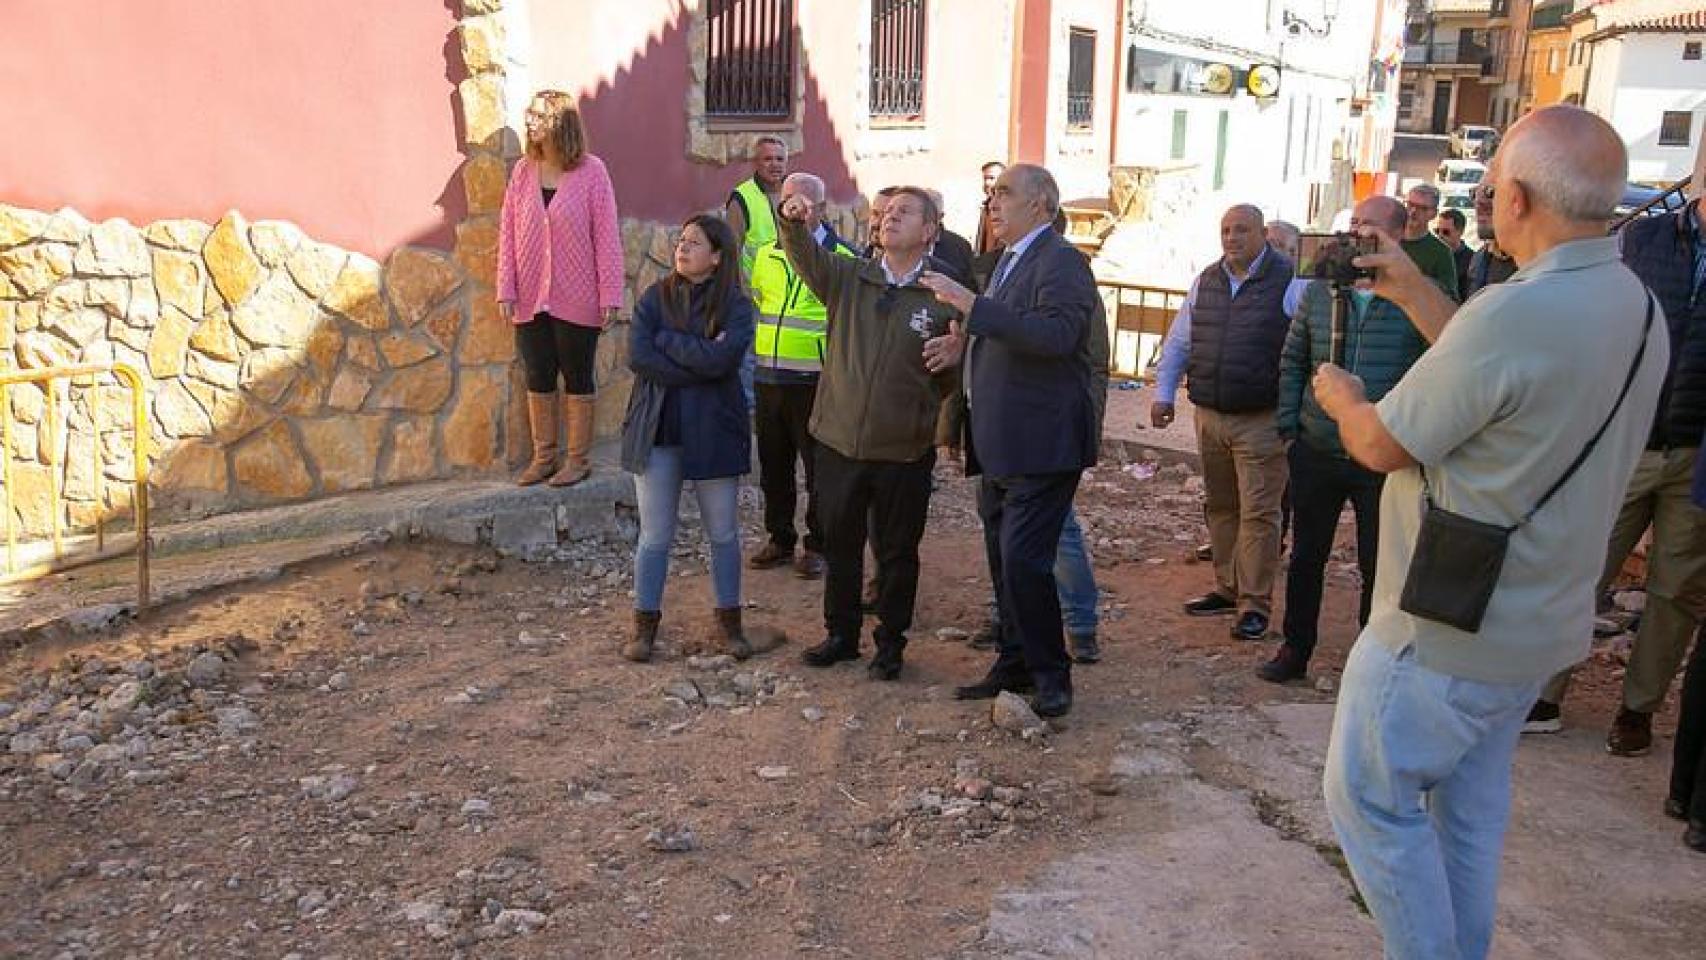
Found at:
[1380, 347]
[875, 400]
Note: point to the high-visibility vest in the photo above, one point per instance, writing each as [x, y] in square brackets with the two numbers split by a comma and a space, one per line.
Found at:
[760, 222]
[791, 319]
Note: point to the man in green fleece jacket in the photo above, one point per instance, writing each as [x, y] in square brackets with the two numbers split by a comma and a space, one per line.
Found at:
[1428, 251]
[1380, 346]
[875, 418]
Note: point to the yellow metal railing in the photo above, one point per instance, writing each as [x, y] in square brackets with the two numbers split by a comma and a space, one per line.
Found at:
[1139, 317]
[49, 378]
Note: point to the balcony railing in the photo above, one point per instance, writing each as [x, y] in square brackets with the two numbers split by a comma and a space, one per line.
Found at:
[1448, 54]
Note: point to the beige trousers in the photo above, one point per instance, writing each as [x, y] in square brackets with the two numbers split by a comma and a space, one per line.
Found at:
[1244, 476]
[1676, 575]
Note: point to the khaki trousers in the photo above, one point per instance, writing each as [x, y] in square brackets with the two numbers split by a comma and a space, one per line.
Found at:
[1676, 575]
[1244, 476]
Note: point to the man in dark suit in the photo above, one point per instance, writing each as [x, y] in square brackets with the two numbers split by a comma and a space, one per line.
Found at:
[1027, 386]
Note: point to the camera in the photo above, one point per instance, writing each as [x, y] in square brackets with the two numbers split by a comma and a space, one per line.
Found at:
[1328, 256]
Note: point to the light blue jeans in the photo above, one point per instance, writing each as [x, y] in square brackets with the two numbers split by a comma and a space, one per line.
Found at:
[1418, 786]
[1074, 580]
[659, 493]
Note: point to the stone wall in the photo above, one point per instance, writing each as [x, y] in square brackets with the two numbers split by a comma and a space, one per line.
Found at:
[278, 368]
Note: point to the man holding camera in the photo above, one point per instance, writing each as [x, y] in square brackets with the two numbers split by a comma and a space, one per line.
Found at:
[1229, 333]
[1508, 444]
[1380, 344]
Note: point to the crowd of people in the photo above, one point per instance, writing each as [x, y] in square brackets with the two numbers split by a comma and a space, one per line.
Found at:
[1506, 423]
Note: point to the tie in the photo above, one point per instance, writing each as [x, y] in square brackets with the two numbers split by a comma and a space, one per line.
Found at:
[1001, 267]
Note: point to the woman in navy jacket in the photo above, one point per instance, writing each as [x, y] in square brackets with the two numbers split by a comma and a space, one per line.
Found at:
[687, 420]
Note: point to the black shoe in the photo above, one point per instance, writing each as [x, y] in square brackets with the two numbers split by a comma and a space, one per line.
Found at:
[1211, 605]
[831, 651]
[1286, 666]
[1084, 648]
[1055, 703]
[1205, 553]
[987, 637]
[1543, 717]
[1694, 838]
[1251, 626]
[1676, 809]
[885, 665]
[991, 686]
[809, 565]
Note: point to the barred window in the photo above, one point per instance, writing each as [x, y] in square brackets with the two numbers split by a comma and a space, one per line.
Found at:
[1081, 79]
[897, 59]
[749, 59]
[1675, 128]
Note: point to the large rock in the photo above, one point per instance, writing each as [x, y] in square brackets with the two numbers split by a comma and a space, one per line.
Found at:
[269, 466]
[236, 415]
[267, 374]
[79, 325]
[422, 388]
[178, 411]
[233, 266]
[274, 241]
[186, 235]
[112, 295]
[350, 389]
[345, 450]
[214, 337]
[278, 315]
[471, 427]
[180, 281]
[363, 352]
[20, 225]
[490, 338]
[484, 179]
[307, 396]
[35, 267]
[167, 346]
[444, 325]
[412, 456]
[355, 294]
[416, 281]
[477, 249]
[315, 267]
[482, 44]
[483, 119]
[113, 249]
[406, 350]
[67, 226]
[323, 347]
[32, 497]
[194, 466]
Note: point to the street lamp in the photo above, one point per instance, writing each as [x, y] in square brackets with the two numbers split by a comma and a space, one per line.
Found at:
[1298, 26]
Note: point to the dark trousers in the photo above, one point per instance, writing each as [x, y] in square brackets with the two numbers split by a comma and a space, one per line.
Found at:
[782, 419]
[550, 348]
[1688, 766]
[1320, 485]
[1022, 519]
[895, 499]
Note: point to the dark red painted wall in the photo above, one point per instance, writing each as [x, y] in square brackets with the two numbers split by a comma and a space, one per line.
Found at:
[336, 115]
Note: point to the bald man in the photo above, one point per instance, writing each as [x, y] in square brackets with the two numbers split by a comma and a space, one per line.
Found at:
[1526, 415]
[1380, 346]
[1229, 334]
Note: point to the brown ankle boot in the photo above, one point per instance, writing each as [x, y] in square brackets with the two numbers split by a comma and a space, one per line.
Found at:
[639, 646]
[542, 422]
[728, 624]
[578, 410]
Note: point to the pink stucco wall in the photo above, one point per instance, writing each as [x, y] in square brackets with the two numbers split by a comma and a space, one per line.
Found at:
[632, 73]
[338, 116]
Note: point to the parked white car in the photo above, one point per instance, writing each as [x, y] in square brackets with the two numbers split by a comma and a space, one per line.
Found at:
[1470, 141]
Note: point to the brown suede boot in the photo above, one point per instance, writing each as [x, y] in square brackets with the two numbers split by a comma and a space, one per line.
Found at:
[728, 624]
[542, 422]
[639, 646]
[578, 410]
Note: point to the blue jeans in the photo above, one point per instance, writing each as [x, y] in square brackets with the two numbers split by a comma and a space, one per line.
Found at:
[1418, 786]
[659, 493]
[1074, 580]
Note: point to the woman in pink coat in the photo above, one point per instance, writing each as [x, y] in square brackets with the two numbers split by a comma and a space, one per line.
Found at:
[559, 279]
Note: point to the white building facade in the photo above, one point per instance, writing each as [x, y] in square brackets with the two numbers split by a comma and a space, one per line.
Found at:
[1648, 79]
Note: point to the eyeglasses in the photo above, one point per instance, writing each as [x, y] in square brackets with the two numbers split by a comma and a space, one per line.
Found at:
[1413, 205]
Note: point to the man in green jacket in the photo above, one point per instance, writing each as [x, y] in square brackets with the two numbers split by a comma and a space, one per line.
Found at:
[875, 418]
[1428, 251]
[1380, 346]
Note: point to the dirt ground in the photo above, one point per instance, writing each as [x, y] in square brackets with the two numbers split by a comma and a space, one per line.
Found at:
[429, 751]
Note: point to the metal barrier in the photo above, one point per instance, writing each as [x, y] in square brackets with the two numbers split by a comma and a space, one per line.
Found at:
[49, 378]
[1139, 318]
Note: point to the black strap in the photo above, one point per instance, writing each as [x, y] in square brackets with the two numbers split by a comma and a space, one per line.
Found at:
[1593, 441]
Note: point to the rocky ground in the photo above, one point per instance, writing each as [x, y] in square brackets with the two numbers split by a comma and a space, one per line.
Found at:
[433, 751]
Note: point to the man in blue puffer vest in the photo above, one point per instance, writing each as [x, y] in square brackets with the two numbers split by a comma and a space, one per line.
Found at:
[1380, 346]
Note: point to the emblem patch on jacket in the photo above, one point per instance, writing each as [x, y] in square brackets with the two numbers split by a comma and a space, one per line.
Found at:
[920, 324]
